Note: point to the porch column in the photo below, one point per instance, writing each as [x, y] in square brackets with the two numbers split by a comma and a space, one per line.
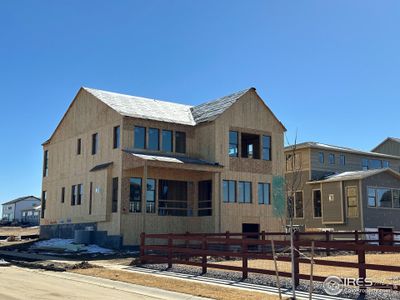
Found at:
[144, 189]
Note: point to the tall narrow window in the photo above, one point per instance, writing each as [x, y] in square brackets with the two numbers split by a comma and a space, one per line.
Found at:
[396, 198]
[364, 164]
[43, 206]
[114, 196]
[205, 198]
[135, 194]
[46, 163]
[167, 141]
[90, 197]
[154, 139]
[352, 202]
[298, 205]
[266, 147]
[180, 142]
[317, 204]
[264, 193]
[321, 157]
[80, 194]
[229, 190]
[331, 158]
[95, 143]
[116, 137]
[62, 194]
[244, 192]
[151, 196]
[342, 158]
[78, 147]
[73, 194]
[371, 197]
[140, 137]
[233, 143]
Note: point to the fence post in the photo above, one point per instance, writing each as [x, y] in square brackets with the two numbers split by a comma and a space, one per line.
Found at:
[227, 246]
[263, 246]
[169, 250]
[244, 258]
[186, 245]
[356, 238]
[142, 245]
[204, 256]
[296, 260]
[362, 272]
[327, 239]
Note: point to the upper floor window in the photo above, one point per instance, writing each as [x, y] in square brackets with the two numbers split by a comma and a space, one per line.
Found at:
[116, 137]
[154, 139]
[78, 146]
[167, 141]
[321, 157]
[46, 163]
[233, 143]
[140, 137]
[364, 164]
[95, 143]
[331, 158]
[244, 192]
[374, 164]
[264, 193]
[250, 145]
[180, 142]
[342, 160]
[229, 191]
[386, 164]
[266, 147]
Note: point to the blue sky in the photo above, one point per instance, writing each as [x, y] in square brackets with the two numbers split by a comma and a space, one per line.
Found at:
[329, 69]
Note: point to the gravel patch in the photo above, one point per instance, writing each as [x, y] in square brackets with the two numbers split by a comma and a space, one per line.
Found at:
[269, 280]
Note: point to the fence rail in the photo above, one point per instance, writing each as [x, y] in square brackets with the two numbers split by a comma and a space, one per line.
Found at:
[195, 248]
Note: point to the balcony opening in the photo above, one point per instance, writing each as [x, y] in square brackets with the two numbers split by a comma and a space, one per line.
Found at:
[250, 145]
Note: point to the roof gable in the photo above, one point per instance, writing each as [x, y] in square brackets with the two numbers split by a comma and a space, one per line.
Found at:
[396, 140]
[356, 175]
[21, 199]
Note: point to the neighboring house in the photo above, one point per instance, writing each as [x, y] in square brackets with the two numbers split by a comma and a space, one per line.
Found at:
[23, 209]
[335, 184]
[389, 146]
[125, 165]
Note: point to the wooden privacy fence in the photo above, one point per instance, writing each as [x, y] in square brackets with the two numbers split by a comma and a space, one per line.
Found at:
[195, 249]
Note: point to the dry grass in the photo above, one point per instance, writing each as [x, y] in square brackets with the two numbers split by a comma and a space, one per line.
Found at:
[176, 285]
[17, 231]
[378, 276]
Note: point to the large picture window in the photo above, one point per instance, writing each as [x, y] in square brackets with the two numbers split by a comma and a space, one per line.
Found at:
[229, 191]
[244, 192]
[383, 197]
[135, 194]
[140, 137]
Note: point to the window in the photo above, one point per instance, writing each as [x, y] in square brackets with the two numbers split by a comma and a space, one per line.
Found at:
[331, 158]
[62, 194]
[95, 143]
[140, 137]
[321, 157]
[167, 141]
[384, 197]
[46, 163]
[298, 205]
[250, 145]
[114, 198]
[135, 194]
[352, 202]
[244, 192]
[205, 198]
[364, 164]
[371, 197]
[73, 194]
[233, 144]
[116, 137]
[317, 204]
[78, 147]
[229, 190]
[180, 142]
[396, 198]
[151, 196]
[154, 139]
[375, 164]
[342, 159]
[172, 198]
[264, 193]
[80, 194]
[44, 199]
[90, 197]
[386, 164]
[266, 154]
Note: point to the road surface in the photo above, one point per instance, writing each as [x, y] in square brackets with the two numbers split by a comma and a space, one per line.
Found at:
[21, 284]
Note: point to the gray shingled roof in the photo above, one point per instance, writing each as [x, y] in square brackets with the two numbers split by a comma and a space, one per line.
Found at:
[20, 199]
[145, 108]
[355, 175]
[209, 111]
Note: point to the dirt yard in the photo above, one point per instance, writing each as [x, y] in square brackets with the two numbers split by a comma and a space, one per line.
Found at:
[378, 276]
[176, 285]
[17, 231]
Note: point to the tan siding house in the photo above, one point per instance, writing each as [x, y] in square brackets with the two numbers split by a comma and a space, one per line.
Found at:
[122, 165]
